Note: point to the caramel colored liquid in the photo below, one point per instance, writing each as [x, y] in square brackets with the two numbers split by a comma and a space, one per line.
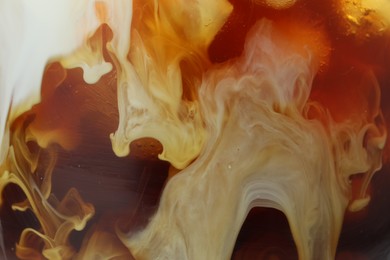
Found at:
[128, 189]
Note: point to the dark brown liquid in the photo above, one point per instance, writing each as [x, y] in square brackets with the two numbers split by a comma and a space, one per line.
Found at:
[129, 188]
[343, 86]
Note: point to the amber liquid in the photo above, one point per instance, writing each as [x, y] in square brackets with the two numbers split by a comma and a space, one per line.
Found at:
[128, 189]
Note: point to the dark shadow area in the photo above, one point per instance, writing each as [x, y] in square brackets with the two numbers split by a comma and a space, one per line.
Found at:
[265, 234]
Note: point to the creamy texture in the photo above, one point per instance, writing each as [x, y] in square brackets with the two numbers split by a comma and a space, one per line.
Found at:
[256, 116]
[241, 134]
